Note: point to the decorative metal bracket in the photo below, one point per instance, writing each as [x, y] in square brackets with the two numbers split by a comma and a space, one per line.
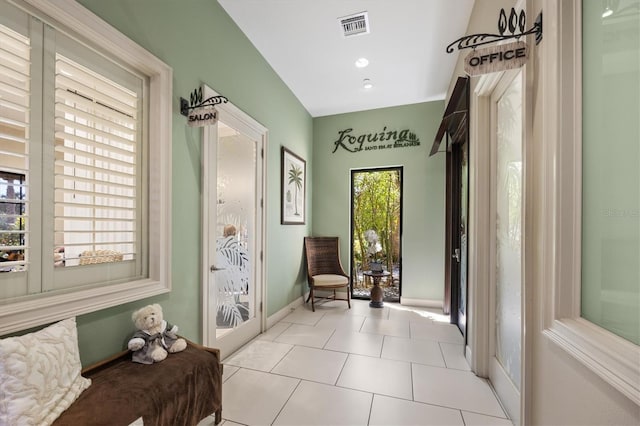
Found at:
[197, 102]
[513, 23]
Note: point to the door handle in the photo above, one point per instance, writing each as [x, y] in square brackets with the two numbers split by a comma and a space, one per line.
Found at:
[214, 268]
[456, 255]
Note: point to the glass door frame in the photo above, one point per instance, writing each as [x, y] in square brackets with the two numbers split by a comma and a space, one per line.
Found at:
[400, 170]
[251, 328]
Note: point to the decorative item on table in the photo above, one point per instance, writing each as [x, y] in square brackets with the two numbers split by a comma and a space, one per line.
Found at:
[155, 337]
[373, 248]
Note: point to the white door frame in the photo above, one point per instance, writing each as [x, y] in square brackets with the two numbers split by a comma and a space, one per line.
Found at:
[479, 351]
[209, 205]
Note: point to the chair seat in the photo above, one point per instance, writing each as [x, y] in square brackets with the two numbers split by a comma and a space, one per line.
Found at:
[325, 280]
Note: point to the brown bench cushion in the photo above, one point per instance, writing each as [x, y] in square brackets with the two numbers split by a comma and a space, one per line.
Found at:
[181, 390]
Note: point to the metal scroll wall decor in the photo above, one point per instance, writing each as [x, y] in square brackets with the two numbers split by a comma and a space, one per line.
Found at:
[515, 23]
[201, 112]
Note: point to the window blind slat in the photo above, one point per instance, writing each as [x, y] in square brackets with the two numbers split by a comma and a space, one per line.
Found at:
[79, 87]
[113, 126]
[102, 195]
[78, 73]
[67, 97]
[96, 219]
[71, 127]
[96, 207]
[87, 168]
[13, 74]
[105, 159]
[15, 61]
[61, 180]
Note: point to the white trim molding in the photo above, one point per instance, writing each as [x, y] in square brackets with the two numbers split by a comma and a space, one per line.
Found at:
[275, 318]
[612, 358]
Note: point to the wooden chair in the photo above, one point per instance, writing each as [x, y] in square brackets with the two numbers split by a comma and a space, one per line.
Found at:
[324, 269]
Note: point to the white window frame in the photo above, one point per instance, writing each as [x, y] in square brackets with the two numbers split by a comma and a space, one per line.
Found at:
[41, 309]
[614, 359]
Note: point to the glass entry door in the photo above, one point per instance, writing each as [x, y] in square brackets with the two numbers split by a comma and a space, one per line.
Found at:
[376, 231]
[234, 229]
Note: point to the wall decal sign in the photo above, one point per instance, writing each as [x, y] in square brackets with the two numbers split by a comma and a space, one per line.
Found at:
[515, 23]
[496, 58]
[386, 139]
[200, 112]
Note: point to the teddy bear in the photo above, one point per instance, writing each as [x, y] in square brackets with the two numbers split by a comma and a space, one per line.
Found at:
[155, 337]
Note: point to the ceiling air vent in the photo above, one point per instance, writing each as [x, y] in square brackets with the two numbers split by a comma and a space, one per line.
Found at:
[356, 24]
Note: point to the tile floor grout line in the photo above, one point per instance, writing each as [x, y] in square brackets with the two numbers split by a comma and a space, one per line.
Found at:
[283, 357]
[444, 358]
[286, 402]
[413, 391]
[373, 397]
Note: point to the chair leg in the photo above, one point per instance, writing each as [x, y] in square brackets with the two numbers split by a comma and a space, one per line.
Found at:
[313, 307]
[349, 296]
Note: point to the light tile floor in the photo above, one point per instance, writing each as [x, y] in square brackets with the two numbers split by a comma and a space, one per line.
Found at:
[364, 366]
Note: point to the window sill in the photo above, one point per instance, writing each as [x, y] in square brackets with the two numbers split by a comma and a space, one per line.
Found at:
[614, 359]
[46, 309]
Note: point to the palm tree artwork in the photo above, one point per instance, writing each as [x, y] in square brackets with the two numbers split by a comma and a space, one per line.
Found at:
[295, 178]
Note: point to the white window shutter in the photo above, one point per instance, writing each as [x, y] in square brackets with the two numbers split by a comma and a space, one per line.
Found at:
[15, 79]
[96, 167]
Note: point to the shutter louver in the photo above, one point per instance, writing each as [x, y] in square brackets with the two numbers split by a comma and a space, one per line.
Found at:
[96, 167]
[15, 80]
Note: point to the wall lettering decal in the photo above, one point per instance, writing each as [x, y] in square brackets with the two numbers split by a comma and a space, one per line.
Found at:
[386, 139]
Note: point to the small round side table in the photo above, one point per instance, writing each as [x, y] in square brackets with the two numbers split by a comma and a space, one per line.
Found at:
[376, 292]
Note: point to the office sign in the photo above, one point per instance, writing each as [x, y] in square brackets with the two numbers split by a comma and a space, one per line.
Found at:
[496, 58]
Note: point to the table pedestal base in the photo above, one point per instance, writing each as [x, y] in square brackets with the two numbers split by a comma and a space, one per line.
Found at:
[376, 295]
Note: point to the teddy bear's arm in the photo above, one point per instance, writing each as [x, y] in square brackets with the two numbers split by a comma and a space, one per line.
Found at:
[136, 343]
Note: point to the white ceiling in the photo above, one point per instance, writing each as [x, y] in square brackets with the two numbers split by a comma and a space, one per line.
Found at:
[303, 42]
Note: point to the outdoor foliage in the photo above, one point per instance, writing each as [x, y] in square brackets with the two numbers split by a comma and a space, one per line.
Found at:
[376, 206]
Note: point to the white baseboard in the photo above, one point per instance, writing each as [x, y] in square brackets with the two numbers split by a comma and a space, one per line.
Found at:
[425, 303]
[271, 320]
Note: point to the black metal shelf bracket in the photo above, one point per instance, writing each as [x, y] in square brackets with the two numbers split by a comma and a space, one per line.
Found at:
[515, 23]
[197, 102]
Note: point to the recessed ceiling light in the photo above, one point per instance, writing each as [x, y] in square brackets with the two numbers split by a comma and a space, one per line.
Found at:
[362, 62]
[607, 12]
[367, 84]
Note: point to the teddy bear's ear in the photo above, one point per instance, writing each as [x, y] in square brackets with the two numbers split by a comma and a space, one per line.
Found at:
[134, 315]
[156, 307]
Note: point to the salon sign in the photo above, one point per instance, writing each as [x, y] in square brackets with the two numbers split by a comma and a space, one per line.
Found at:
[375, 141]
[496, 58]
[204, 116]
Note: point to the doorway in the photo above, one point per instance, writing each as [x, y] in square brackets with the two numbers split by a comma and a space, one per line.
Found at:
[458, 201]
[376, 230]
[233, 229]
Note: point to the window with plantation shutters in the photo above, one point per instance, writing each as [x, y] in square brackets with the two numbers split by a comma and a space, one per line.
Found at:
[14, 133]
[96, 167]
[85, 165]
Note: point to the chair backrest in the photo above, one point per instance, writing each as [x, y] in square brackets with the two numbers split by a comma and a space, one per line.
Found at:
[323, 256]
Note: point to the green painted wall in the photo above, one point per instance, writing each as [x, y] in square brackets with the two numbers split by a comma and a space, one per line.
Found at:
[203, 45]
[423, 185]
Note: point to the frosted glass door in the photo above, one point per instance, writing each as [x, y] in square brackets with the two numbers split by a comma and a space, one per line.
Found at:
[508, 223]
[236, 215]
[233, 229]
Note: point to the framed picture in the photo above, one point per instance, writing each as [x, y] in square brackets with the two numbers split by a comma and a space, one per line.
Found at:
[294, 177]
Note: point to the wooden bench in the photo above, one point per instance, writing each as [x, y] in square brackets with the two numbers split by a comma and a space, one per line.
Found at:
[181, 390]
